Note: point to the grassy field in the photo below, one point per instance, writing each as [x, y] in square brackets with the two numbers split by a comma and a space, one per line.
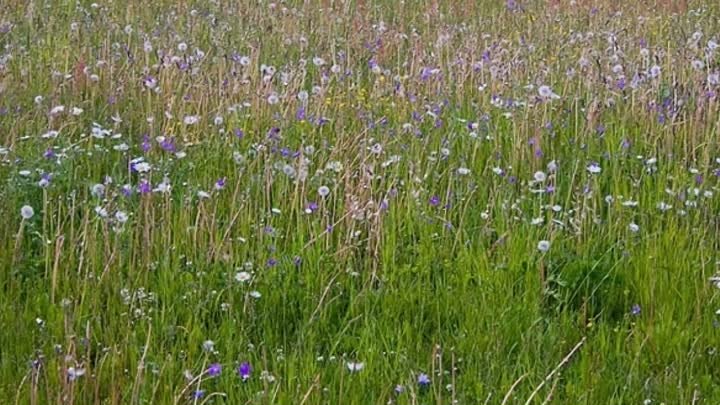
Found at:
[355, 202]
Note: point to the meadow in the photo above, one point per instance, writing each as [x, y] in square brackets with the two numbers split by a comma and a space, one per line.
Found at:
[356, 202]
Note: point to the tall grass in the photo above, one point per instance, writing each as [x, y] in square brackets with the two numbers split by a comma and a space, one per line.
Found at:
[350, 202]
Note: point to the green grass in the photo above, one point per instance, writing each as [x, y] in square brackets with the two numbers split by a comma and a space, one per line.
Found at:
[423, 257]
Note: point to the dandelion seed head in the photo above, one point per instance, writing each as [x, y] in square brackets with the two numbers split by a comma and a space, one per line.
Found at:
[543, 246]
[27, 212]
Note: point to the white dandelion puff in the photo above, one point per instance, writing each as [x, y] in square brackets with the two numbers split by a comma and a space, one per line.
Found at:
[191, 119]
[594, 168]
[121, 217]
[543, 246]
[27, 212]
[655, 71]
[547, 93]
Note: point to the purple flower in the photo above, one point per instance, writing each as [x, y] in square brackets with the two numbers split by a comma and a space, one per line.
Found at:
[49, 154]
[600, 129]
[168, 145]
[620, 83]
[297, 260]
[434, 201]
[220, 184]
[45, 177]
[144, 187]
[214, 370]
[126, 190]
[274, 134]
[198, 394]
[423, 380]
[635, 310]
[244, 370]
[150, 82]
[271, 262]
[399, 389]
[239, 133]
[75, 373]
[146, 145]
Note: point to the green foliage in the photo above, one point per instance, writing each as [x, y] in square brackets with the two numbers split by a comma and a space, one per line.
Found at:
[422, 256]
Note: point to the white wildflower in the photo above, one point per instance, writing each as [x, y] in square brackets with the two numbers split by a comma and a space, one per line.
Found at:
[243, 276]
